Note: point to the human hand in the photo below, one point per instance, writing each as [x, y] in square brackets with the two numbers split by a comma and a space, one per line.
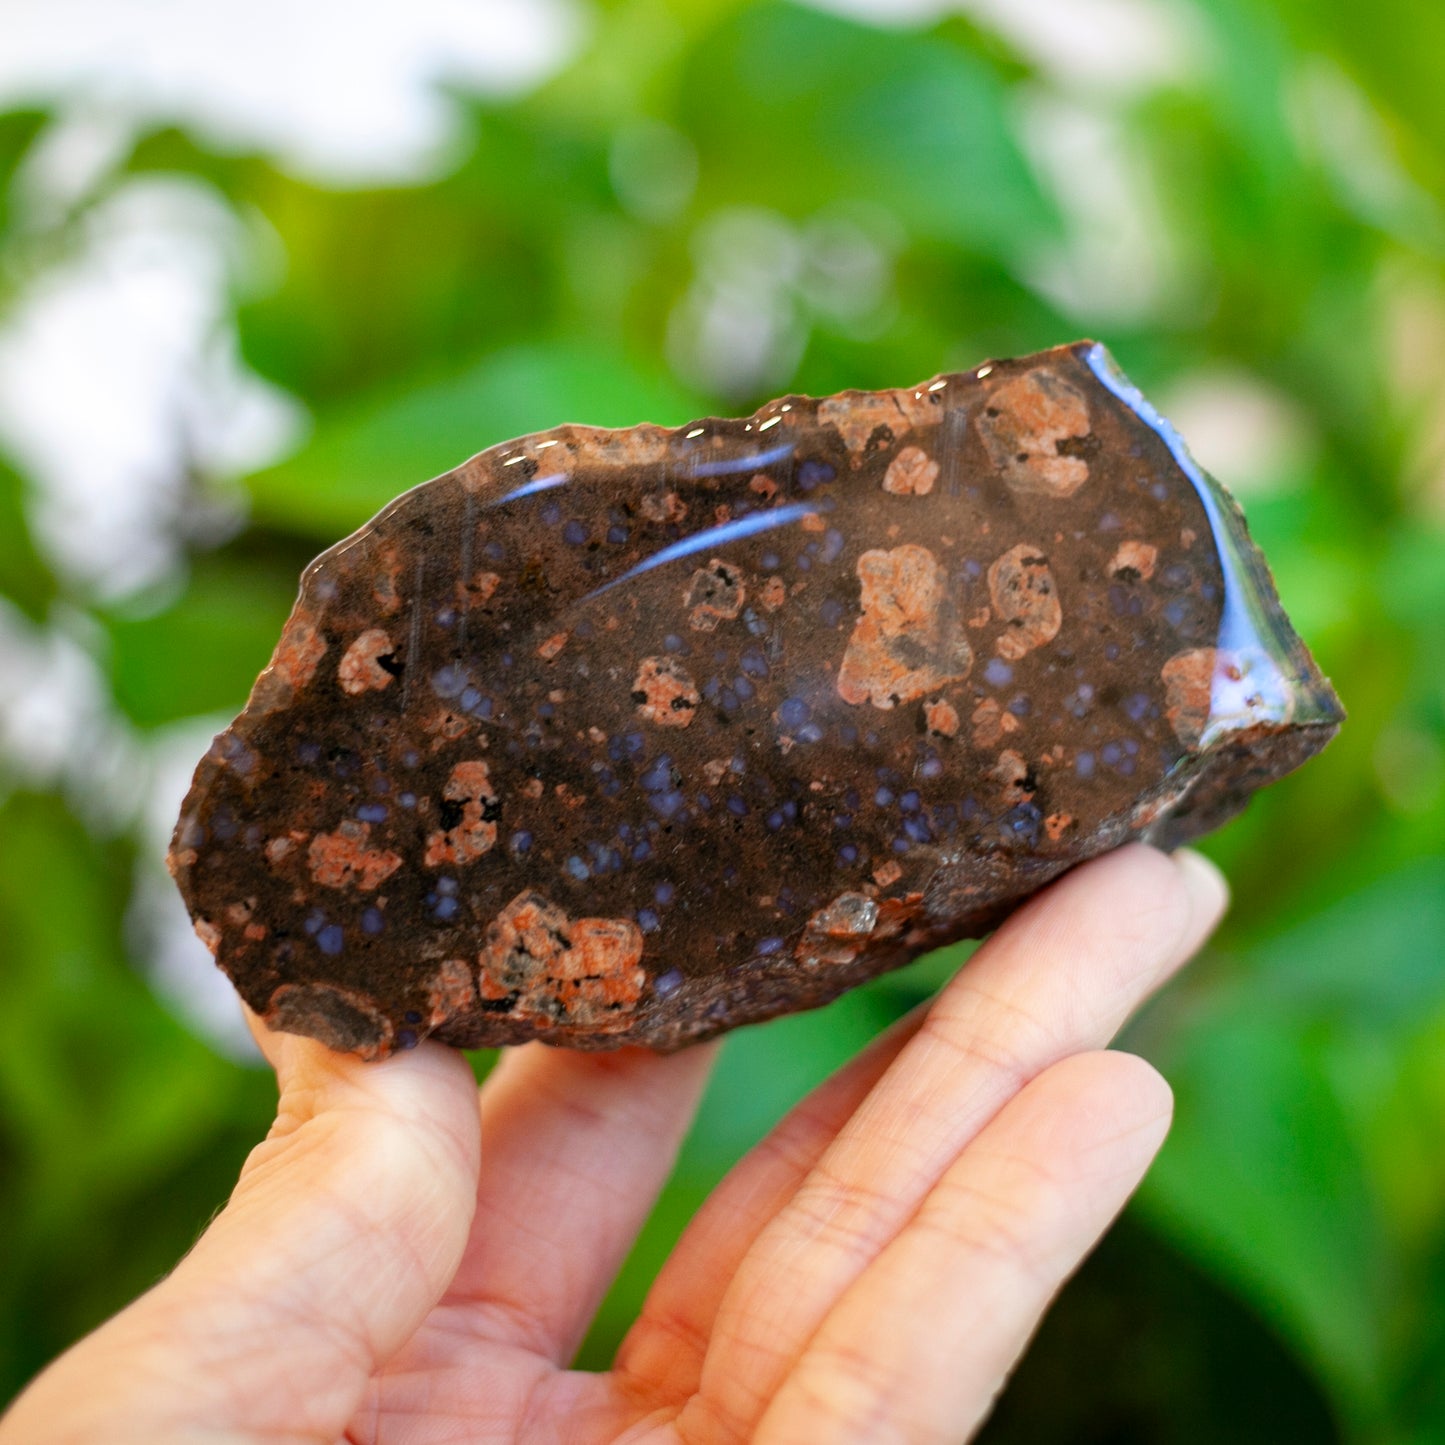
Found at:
[869, 1272]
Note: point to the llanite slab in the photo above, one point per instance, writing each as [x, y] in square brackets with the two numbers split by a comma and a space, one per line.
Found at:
[634, 736]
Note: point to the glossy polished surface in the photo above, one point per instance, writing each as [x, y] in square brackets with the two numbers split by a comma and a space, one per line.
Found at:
[634, 736]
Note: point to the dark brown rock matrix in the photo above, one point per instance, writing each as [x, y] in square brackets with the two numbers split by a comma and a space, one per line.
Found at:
[616, 737]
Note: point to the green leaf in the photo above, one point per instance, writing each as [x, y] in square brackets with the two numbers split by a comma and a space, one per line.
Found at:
[25, 579]
[1271, 1178]
[201, 653]
[837, 111]
[18, 130]
[1394, 53]
[361, 458]
[103, 1095]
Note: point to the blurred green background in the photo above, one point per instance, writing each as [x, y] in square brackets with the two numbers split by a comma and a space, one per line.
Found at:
[219, 353]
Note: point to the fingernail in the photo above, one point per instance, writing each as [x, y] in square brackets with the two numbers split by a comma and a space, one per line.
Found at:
[1208, 890]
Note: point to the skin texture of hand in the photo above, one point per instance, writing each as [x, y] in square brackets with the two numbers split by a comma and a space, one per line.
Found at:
[401, 1262]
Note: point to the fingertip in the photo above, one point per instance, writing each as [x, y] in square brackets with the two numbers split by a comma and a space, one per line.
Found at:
[1141, 1086]
[295, 1058]
[1175, 899]
[1208, 888]
[1114, 1099]
[298, 1058]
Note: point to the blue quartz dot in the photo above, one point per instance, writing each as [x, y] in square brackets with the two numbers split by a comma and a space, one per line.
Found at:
[648, 921]
[770, 945]
[372, 812]
[575, 533]
[658, 776]
[793, 712]
[330, 939]
[521, 841]
[372, 921]
[668, 804]
[998, 673]
[667, 983]
[448, 681]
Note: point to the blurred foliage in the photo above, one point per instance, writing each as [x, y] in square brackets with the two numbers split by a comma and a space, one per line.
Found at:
[714, 202]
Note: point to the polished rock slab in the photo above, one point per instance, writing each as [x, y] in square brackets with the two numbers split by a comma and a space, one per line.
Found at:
[614, 737]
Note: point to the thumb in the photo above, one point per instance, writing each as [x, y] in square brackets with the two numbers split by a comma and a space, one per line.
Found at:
[346, 1227]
